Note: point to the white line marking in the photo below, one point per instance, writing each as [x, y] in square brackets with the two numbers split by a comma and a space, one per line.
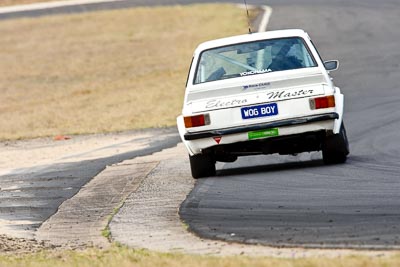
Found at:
[262, 27]
[46, 5]
[265, 19]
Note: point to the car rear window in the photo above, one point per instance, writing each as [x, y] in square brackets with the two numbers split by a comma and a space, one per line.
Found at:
[253, 58]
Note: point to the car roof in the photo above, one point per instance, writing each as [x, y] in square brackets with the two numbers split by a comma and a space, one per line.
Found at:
[252, 37]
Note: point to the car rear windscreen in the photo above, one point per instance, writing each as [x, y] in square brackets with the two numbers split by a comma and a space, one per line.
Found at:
[253, 58]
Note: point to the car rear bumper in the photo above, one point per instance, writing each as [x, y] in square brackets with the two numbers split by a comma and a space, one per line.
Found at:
[245, 129]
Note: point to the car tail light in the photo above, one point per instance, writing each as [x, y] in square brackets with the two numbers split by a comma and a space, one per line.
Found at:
[196, 121]
[322, 102]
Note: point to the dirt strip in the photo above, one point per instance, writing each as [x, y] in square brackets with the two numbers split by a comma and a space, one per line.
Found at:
[81, 220]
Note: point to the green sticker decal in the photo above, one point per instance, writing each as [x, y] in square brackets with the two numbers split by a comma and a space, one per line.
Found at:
[263, 133]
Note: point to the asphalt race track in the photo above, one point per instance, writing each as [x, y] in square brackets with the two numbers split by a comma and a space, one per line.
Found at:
[297, 201]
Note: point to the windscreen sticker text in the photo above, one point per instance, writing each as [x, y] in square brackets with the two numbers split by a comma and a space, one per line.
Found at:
[246, 73]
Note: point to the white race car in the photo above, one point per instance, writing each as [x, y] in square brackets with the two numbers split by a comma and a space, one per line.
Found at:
[260, 93]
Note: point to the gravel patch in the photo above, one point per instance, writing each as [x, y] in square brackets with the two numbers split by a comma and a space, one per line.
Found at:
[10, 245]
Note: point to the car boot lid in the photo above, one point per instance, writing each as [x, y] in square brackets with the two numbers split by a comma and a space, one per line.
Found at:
[219, 95]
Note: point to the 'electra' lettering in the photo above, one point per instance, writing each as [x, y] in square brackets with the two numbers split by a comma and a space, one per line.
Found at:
[225, 104]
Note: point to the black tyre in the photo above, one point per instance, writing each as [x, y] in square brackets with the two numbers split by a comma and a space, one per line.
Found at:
[336, 147]
[202, 166]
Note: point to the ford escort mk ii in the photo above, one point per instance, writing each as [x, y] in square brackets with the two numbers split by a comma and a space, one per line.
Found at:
[260, 93]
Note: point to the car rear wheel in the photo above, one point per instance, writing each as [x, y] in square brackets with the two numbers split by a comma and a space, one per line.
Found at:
[202, 166]
[336, 147]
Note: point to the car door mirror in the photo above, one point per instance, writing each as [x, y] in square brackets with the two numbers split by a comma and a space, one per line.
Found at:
[331, 65]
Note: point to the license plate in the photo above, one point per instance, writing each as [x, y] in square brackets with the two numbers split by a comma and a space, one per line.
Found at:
[265, 110]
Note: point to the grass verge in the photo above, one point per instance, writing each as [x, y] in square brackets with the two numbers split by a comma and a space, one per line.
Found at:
[103, 71]
[122, 256]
